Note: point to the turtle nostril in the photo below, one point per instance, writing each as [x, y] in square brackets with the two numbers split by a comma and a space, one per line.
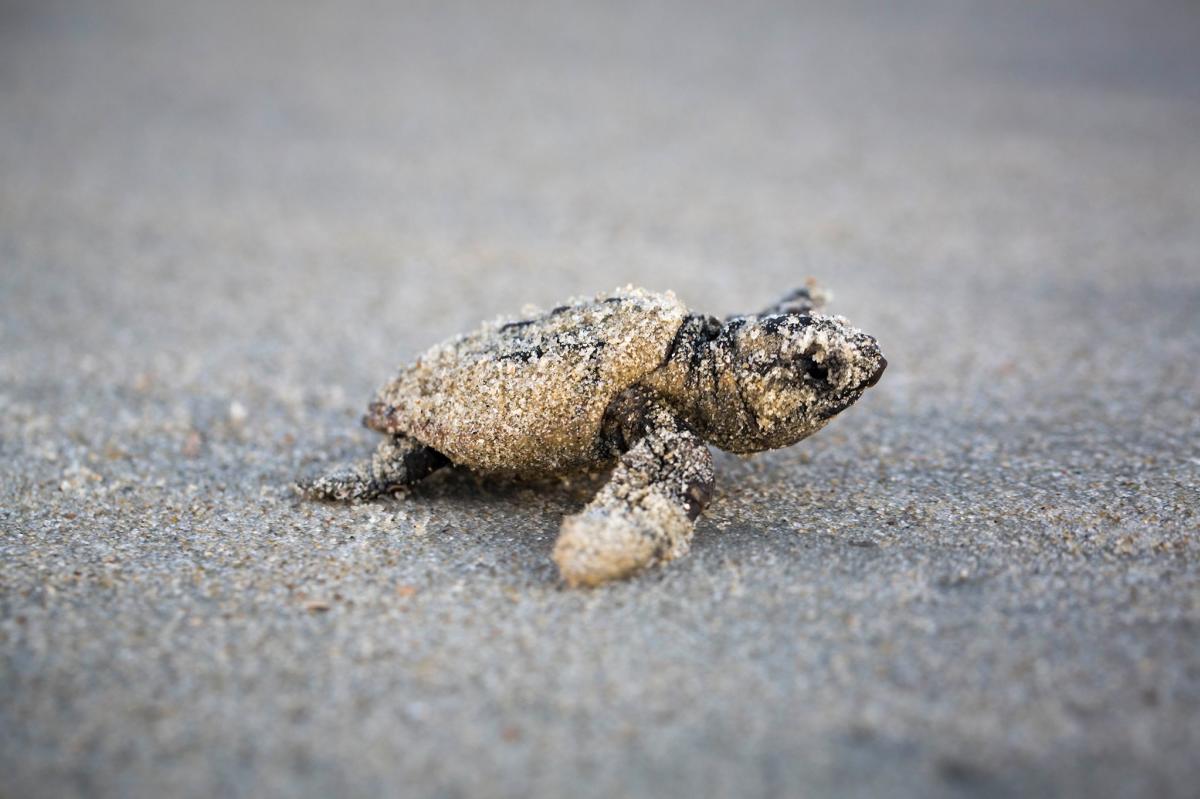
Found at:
[873, 379]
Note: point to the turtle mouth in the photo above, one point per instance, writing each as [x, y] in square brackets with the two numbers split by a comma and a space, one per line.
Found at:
[874, 378]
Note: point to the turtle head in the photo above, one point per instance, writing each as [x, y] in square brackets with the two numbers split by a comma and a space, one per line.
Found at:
[782, 377]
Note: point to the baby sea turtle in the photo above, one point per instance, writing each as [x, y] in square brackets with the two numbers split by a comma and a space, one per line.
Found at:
[630, 377]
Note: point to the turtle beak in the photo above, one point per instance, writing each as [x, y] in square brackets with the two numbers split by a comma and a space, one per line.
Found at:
[873, 379]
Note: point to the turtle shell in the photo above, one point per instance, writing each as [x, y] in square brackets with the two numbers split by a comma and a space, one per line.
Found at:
[527, 397]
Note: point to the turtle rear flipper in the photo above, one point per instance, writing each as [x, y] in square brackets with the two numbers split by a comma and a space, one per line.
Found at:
[398, 461]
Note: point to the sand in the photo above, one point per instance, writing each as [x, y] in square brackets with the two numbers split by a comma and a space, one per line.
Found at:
[221, 228]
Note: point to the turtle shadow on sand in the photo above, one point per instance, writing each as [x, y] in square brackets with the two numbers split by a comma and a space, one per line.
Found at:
[511, 522]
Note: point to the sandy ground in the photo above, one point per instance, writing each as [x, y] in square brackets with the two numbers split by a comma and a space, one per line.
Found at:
[222, 227]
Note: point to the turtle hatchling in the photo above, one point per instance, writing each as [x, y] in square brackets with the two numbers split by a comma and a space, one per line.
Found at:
[631, 378]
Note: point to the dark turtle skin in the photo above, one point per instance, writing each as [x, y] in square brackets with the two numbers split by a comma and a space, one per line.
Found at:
[630, 377]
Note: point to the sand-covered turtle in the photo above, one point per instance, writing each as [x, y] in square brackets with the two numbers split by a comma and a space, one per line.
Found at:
[629, 377]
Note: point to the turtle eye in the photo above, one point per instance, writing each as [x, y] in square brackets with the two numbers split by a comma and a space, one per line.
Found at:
[807, 367]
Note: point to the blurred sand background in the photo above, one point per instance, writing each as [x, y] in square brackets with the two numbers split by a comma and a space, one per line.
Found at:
[223, 224]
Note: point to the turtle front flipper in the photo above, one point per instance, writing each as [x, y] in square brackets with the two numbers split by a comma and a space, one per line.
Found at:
[646, 513]
[804, 300]
[398, 461]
